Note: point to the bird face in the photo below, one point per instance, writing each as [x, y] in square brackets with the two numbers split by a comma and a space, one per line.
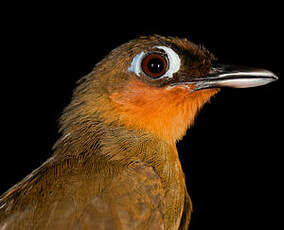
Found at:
[157, 84]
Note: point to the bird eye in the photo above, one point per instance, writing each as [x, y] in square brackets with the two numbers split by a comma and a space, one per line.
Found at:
[154, 65]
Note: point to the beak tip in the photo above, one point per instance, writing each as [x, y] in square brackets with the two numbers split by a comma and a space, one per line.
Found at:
[267, 73]
[270, 77]
[274, 77]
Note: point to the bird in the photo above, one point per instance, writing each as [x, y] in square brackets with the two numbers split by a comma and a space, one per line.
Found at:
[116, 164]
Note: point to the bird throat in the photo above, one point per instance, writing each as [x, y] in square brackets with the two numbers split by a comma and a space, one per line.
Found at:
[165, 112]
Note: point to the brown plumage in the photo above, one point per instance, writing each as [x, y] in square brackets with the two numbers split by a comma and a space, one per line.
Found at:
[116, 165]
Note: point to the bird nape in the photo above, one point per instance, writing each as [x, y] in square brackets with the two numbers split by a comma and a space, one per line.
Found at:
[116, 165]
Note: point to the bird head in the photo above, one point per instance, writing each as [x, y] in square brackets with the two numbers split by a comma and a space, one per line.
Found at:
[156, 85]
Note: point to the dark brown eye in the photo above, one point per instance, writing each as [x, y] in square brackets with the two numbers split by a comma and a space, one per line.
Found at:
[154, 65]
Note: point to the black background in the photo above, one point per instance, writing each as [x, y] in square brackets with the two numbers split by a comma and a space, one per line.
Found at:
[231, 156]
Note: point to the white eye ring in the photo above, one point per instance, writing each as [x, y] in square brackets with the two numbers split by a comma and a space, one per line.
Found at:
[174, 62]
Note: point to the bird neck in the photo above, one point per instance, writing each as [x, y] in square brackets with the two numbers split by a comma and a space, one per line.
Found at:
[94, 138]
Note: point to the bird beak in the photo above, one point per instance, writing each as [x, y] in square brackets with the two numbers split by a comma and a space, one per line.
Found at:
[234, 77]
